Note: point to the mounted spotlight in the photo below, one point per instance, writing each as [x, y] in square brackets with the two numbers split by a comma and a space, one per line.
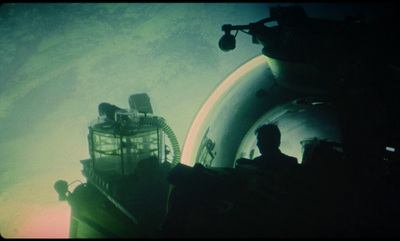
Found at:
[61, 187]
[227, 42]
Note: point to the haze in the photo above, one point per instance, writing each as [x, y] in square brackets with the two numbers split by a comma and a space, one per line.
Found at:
[59, 61]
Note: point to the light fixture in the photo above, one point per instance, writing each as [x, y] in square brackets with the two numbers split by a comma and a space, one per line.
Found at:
[61, 188]
[227, 42]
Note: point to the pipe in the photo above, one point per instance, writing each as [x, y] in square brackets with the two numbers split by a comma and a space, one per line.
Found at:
[160, 122]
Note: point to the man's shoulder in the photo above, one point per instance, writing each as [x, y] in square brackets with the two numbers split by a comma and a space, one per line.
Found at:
[289, 159]
[258, 158]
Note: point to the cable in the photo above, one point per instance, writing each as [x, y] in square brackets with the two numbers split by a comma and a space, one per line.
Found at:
[160, 122]
[74, 182]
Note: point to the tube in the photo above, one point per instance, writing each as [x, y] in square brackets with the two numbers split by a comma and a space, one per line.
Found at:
[160, 122]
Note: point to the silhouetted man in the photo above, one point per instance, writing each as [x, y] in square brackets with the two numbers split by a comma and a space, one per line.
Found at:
[271, 159]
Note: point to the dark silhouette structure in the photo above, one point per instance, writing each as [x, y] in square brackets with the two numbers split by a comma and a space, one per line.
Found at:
[271, 159]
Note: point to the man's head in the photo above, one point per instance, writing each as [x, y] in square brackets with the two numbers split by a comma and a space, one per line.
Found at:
[268, 138]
